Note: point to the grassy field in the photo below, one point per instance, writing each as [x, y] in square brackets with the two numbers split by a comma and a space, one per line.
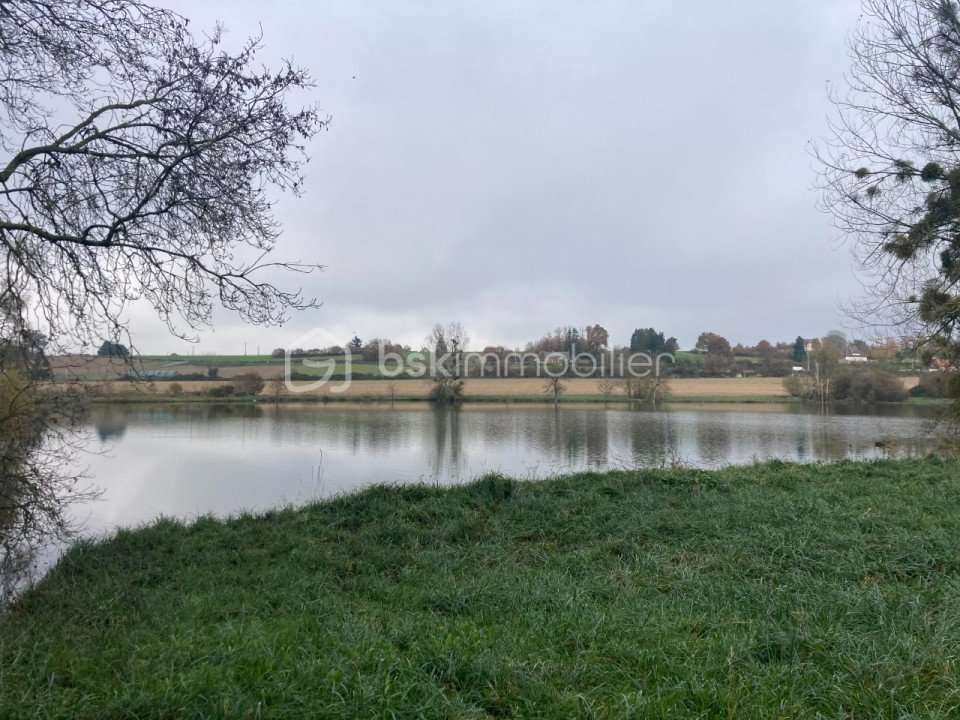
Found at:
[758, 592]
[758, 389]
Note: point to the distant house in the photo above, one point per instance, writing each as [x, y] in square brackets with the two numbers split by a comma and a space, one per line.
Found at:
[159, 374]
[855, 358]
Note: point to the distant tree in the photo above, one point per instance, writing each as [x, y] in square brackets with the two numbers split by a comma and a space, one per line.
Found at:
[867, 385]
[248, 383]
[606, 386]
[799, 350]
[767, 354]
[447, 390]
[448, 342]
[719, 356]
[648, 390]
[219, 391]
[652, 342]
[595, 338]
[886, 350]
[113, 349]
[554, 387]
[278, 353]
[275, 389]
[860, 346]
[372, 349]
[825, 363]
[355, 345]
[213, 373]
[557, 341]
[837, 340]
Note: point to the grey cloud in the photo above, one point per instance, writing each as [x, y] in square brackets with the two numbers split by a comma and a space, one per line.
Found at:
[517, 166]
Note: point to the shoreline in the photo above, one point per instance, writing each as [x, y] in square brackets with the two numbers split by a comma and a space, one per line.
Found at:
[491, 400]
[518, 390]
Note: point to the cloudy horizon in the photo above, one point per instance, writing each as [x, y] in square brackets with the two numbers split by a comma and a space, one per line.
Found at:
[518, 168]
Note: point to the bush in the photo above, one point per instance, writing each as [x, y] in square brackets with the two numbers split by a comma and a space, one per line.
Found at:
[868, 385]
[249, 383]
[860, 385]
[176, 389]
[213, 372]
[446, 390]
[221, 391]
[799, 386]
[937, 385]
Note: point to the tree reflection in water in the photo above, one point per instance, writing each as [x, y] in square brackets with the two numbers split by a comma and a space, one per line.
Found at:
[38, 484]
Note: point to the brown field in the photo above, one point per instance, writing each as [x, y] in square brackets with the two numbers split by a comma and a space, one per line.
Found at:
[107, 371]
[89, 367]
[734, 388]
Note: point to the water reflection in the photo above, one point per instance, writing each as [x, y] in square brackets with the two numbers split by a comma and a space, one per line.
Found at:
[355, 445]
[187, 460]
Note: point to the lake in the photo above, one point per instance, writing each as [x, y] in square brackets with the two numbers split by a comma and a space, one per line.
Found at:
[188, 460]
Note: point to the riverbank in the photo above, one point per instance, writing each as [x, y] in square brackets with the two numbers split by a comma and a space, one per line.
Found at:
[771, 590]
[735, 390]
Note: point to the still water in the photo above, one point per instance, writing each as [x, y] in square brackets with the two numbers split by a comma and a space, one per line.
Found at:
[188, 460]
[183, 461]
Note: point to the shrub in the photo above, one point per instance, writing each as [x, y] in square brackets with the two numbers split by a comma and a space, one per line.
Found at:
[937, 385]
[868, 385]
[799, 386]
[861, 385]
[176, 389]
[221, 391]
[213, 372]
[447, 390]
[249, 383]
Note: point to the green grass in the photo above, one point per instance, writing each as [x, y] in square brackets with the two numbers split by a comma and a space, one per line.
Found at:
[768, 591]
[215, 360]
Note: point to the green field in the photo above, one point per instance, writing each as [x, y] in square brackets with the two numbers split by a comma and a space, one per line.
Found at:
[216, 360]
[768, 591]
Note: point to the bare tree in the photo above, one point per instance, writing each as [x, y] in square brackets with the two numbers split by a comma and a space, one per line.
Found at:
[891, 171]
[606, 386]
[141, 164]
[275, 389]
[448, 344]
[554, 387]
[649, 389]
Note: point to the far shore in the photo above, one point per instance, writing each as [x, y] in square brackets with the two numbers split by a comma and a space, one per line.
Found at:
[677, 390]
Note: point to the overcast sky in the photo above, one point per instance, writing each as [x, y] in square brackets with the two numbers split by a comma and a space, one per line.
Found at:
[519, 166]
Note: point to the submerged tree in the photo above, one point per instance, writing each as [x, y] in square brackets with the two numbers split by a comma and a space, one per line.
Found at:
[892, 169]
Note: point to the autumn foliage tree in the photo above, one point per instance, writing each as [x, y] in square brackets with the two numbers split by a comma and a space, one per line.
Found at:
[718, 353]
